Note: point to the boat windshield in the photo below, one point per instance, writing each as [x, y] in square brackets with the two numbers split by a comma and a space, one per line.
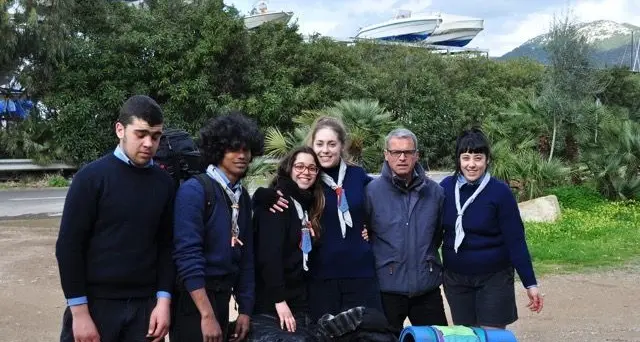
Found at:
[402, 14]
[259, 8]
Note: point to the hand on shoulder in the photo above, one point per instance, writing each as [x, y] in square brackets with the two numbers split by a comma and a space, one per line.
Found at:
[264, 196]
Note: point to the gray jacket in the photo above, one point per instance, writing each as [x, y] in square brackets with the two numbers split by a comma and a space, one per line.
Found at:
[404, 221]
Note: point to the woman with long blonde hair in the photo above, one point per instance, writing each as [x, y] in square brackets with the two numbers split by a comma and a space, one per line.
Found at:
[341, 265]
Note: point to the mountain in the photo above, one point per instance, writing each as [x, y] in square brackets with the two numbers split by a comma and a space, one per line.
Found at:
[610, 41]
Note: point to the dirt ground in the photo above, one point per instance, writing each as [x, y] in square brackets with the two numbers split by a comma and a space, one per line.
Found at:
[594, 306]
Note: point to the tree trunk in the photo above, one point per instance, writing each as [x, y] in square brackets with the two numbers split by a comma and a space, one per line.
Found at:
[595, 138]
[544, 147]
[553, 139]
[571, 147]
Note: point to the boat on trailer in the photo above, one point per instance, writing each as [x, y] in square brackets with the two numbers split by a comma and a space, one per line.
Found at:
[455, 30]
[260, 15]
[403, 28]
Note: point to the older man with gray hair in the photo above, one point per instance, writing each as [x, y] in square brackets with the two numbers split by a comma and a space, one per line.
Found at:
[404, 209]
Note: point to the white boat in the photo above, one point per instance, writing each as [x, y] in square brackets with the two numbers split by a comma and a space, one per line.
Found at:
[404, 28]
[260, 15]
[455, 31]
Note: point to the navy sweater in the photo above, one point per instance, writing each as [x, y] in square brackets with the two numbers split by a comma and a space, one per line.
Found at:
[494, 233]
[335, 257]
[204, 250]
[115, 234]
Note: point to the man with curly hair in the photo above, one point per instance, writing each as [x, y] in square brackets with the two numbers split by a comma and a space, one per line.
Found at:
[214, 255]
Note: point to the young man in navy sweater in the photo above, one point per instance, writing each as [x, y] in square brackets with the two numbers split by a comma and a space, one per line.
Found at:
[114, 245]
[214, 254]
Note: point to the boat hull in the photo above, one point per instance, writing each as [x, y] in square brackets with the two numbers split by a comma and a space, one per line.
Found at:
[253, 21]
[406, 29]
[455, 33]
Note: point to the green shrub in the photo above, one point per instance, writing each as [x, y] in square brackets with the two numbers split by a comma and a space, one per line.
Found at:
[615, 161]
[57, 181]
[577, 197]
[522, 167]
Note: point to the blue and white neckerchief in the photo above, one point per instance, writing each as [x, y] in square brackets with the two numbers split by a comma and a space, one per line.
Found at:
[343, 206]
[459, 183]
[234, 196]
[305, 238]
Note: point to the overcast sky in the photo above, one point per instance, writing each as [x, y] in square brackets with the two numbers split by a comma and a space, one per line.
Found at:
[508, 23]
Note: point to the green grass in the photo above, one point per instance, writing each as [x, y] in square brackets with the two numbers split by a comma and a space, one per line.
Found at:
[57, 181]
[601, 234]
[36, 181]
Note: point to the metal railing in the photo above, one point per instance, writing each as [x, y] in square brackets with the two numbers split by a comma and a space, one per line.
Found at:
[18, 165]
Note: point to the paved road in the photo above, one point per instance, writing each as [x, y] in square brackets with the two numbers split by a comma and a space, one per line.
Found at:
[49, 202]
[21, 202]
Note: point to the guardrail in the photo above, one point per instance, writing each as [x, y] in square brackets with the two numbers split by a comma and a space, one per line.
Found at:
[17, 165]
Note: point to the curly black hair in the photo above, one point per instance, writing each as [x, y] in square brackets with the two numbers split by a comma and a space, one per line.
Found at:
[229, 132]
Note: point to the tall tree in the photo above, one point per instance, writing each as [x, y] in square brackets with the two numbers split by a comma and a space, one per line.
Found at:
[570, 80]
[8, 40]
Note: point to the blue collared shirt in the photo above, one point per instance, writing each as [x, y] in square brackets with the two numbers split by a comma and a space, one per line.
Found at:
[462, 181]
[119, 153]
[224, 177]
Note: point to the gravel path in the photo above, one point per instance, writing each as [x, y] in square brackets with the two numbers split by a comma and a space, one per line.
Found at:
[594, 306]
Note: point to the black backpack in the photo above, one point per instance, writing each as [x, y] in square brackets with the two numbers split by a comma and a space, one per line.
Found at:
[207, 184]
[178, 155]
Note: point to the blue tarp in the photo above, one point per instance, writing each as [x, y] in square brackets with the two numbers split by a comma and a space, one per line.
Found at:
[19, 108]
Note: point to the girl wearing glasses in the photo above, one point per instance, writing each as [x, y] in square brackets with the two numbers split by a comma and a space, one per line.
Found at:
[341, 266]
[283, 241]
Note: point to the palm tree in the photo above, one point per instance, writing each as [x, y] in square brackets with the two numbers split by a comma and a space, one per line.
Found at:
[367, 124]
[615, 161]
[521, 165]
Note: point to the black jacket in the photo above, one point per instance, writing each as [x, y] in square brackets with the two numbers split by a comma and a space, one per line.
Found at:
[279, 273]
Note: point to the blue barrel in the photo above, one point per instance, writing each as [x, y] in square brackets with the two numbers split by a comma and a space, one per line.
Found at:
[432, 334]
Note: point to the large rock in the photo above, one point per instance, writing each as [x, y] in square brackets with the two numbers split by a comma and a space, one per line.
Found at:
[542, 209]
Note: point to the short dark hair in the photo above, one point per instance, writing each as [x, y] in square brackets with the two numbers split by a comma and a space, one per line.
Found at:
[471, 141]
[229, 132]
[142, 107]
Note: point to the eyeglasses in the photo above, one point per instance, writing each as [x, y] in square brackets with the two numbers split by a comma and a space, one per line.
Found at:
[299, 167]
[398, 153]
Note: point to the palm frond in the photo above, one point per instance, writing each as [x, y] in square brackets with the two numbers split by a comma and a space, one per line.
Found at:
[276, 144]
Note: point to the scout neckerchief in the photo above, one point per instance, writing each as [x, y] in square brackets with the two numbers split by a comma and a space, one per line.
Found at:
[459, 229]
[343, 207]
[234, 196]
[305, 239]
